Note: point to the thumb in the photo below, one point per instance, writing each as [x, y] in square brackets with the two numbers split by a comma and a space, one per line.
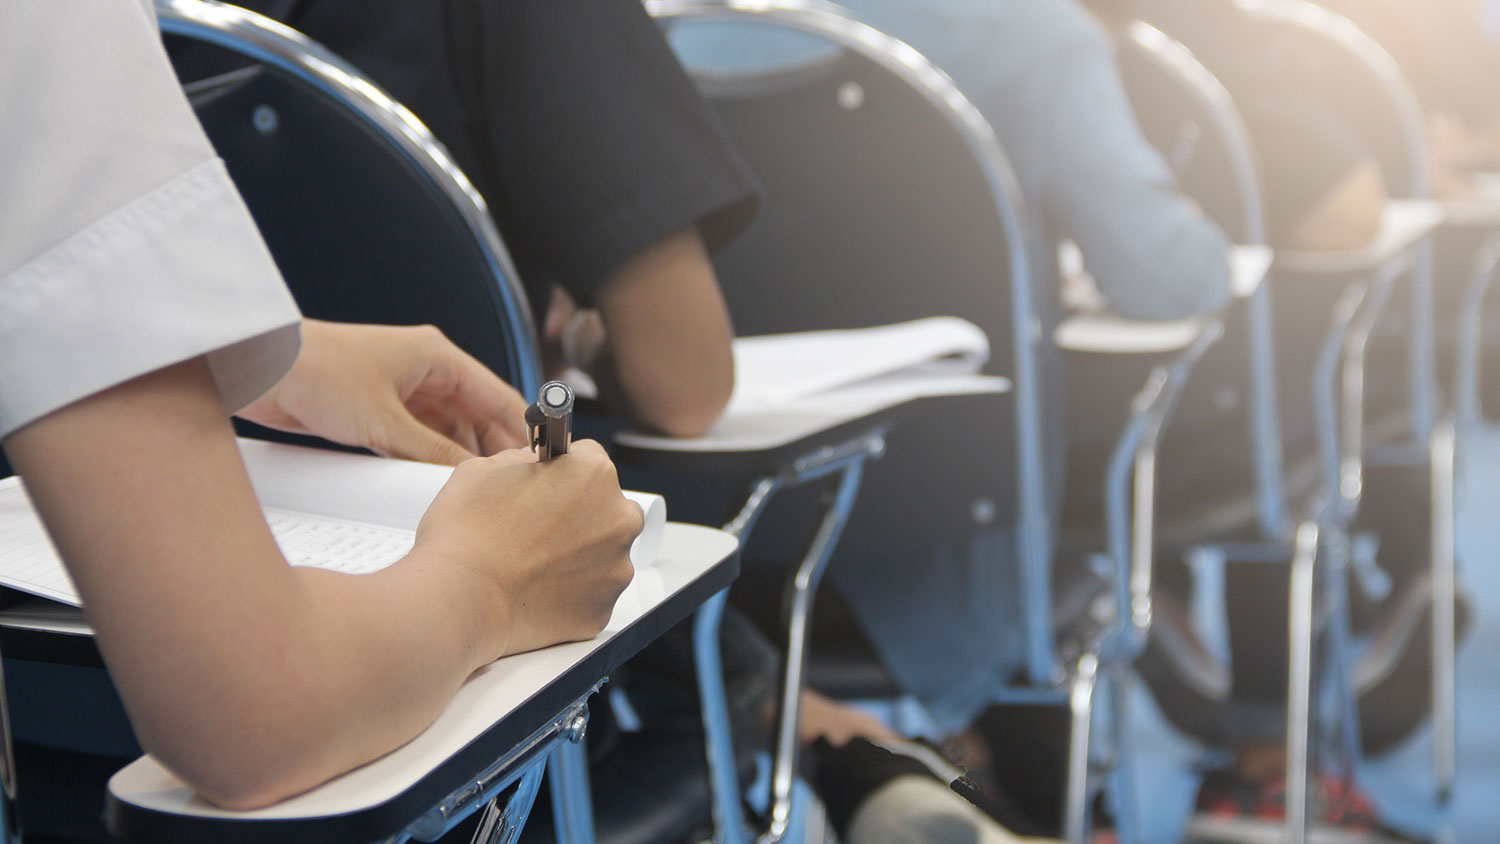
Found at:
[406, 437]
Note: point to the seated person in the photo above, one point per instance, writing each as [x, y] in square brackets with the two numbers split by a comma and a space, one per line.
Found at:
[1042, 73]
[137, 305]
[1444, 49]
[610, 226]
[1323, 189]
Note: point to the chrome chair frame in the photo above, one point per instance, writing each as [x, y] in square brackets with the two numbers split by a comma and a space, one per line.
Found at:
[842, 466]
[289, 52]
[833, 23]
[1129, 501]
[1131, 474]
[1177, 60]
[1470, 337]
[1341, 34]
[1343, 464]
[1051, 680]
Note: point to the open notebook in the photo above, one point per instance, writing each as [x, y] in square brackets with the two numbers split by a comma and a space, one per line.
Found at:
[344, 512]
[777, 370]
[789, 386]
[812, 369]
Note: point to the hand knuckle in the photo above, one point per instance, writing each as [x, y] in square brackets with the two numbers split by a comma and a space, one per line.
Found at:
[635, 517]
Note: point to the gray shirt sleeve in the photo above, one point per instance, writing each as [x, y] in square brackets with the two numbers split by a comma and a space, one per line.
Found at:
[1099, 182]
[1043, 74]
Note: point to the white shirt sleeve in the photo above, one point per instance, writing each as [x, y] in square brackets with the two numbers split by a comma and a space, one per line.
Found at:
[124, 246]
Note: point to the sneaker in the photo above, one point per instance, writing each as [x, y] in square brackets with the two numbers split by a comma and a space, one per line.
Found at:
[845, 777]
[1233, 810]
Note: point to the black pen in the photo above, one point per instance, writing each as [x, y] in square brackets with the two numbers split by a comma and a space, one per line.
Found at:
[549, 422]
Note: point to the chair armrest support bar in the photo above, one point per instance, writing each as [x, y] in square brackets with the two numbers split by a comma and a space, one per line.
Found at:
[1299, 685]
[1134, 458]
[1356, 342]
[1325, 388]
[1471, 321]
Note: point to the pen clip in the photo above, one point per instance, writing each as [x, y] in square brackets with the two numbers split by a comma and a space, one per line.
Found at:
[536, 426]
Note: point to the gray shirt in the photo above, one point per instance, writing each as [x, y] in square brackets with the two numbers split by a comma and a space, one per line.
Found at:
[1043, 74]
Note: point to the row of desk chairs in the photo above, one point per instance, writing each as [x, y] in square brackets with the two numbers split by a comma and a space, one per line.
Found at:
[1361, 464]
[884, 72]
[1329, 424]
[301, 111]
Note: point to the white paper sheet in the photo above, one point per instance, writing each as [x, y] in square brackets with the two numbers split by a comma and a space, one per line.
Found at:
[778, 369]
[343, 512]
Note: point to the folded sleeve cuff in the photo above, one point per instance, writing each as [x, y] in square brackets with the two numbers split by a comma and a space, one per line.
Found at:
[178, 273]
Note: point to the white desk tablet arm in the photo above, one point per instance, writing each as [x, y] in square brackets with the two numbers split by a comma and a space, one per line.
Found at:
[1097, 330]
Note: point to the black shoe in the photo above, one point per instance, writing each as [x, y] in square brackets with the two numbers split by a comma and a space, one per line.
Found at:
[845, 777]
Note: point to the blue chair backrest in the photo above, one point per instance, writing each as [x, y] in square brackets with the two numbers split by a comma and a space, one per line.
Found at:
[885, 199]
[367, 217]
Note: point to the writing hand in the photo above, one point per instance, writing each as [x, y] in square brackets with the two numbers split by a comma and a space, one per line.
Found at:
[401, 391]
[549, 542]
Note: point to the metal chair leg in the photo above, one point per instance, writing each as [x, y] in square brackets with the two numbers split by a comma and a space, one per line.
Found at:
[1444, 610]
[9, 829]
[802, 591]
[1339, 677]
[1126, 800]
[1081, 707]
[572, 806]
[723, 778]
[1299, 685]
[1470, 325]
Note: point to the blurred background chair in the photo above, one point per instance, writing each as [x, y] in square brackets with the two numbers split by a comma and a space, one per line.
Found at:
[1360, 442]
[838, 120]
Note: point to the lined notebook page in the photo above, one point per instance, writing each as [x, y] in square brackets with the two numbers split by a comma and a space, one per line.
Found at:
[379, 491]
[337, 544]
[27, 559]
[322, 507]
[778, 369]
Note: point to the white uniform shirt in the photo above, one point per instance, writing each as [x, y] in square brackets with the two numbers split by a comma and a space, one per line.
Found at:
[124, 247]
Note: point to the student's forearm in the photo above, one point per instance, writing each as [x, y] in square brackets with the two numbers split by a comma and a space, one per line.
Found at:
[590, 350]
[347, 669]
[250, 678]
[661, 350]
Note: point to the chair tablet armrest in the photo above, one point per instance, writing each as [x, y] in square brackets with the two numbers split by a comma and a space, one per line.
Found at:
[1105, 333]
[1403, 224]
[1248, 267]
